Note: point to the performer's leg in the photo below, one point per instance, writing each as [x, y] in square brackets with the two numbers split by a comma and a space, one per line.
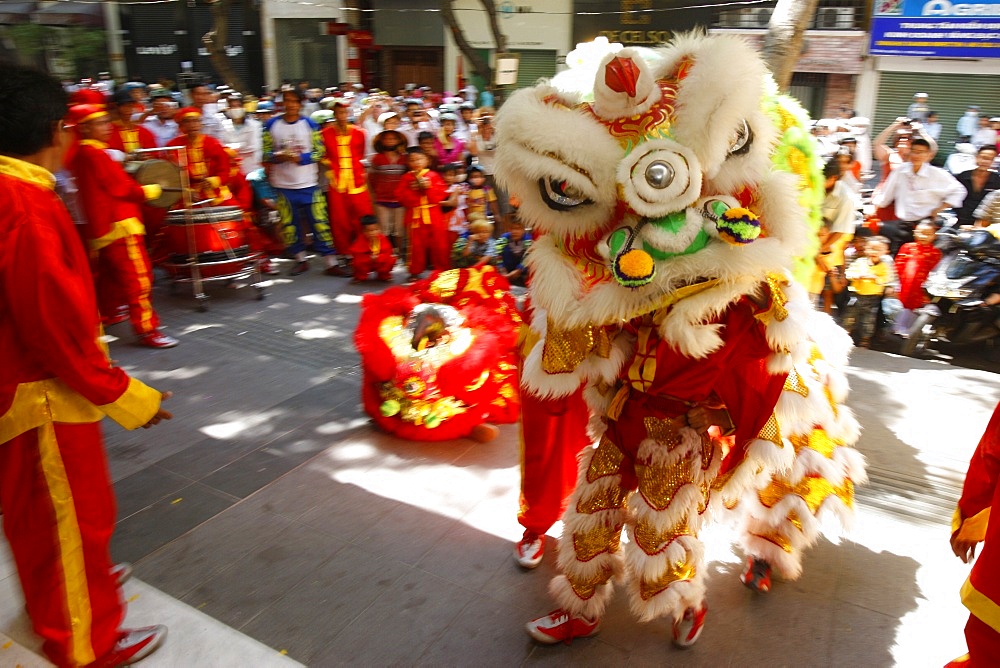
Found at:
[592, 525]
[136, 279]
[418, 248]
[675, 467]
[290, 211]
[440, 250]
[363, 266]
[340, 221]
[316, 210]
[983, 641]
[59, 513]
[553, 432]
[383, 267]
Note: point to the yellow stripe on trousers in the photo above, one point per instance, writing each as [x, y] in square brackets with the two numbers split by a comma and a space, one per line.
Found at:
[81, 651]
[135, 254]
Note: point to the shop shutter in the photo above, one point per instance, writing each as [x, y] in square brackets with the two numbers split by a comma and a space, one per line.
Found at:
[535, 65]
[949, 95]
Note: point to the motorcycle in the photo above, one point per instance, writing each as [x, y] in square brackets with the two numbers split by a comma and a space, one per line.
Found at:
[965, 293]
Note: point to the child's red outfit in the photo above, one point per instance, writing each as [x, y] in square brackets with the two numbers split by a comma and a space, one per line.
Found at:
[913, 264]
[428, 231]
[372, 256]
[981, 592]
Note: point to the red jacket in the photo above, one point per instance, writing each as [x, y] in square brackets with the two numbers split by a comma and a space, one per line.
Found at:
[981, 592]
[111, 198]
[422, 205]
[913, 264]
[208, 166]
[54, 368]
[362, 247]
[131, 139]
[343, 157]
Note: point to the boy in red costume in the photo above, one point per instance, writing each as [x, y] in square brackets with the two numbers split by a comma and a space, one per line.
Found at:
[126, 135]
[57, 385]
[914, 263]
[970, 526]
[420, 191]
[347, 196]
[372, 252]
[114, 232]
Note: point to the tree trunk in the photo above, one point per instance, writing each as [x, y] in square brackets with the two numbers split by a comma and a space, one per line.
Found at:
[785, 33]
[479, 64]
[215, 42]
[498, 37]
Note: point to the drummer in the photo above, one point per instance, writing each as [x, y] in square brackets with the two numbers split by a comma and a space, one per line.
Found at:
[114, 232]
[210, 170]
[128, 136]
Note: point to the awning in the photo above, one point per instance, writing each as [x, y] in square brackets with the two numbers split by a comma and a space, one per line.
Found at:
[14, 13]
[89, 14]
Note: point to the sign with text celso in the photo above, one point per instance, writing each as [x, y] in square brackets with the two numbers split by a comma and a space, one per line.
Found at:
[935, 28]
[637, 22]
[506, 69]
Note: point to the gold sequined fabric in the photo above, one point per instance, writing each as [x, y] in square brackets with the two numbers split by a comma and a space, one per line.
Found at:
[566, 349]
[817, 440]
[778, 300]
[676, 572]
[777, 539]
[794, 383]
[585, 587]
[666, 432]
[653, 542]
[607, 460]
[603, 538]
[771, 431]
[659, 484]
[446, 284]
[814, 490]
[608, 498]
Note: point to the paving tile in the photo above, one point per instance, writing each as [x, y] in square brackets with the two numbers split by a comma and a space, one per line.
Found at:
[347, 511]
[157, 525]
[194, 558]
[142, 489]
[418, 603]
[486, 624]
[893, 592]
[258, 468]
[329, 598]
[466, 556]
[207, 456]
[277, 563]
[406, 533]
[582, 652]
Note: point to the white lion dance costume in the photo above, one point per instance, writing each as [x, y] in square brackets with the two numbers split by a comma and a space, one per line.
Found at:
[662, 281]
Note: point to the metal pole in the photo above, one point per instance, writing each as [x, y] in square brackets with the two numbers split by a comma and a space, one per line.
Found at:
[113, 34]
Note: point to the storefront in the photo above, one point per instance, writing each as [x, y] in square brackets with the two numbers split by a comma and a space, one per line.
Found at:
[411, 36]
[304, 42]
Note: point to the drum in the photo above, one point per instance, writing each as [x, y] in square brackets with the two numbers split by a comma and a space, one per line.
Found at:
[220, 246]
[163, 173]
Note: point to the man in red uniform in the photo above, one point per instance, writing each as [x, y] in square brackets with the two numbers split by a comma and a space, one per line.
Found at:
[970, 526]
[57, 385]
[210, 170]
[128, 136]
[421, 191]
[347, 197]
[114, 232]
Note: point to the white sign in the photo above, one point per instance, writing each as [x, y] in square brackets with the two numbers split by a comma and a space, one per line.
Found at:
[506, 69]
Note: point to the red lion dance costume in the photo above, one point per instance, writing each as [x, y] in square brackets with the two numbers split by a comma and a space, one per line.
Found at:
[662, 283]
[439, 357]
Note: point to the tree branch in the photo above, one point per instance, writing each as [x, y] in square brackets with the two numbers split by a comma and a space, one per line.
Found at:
[479, 64]
[498, 36]
[785, 34]
[215, 42]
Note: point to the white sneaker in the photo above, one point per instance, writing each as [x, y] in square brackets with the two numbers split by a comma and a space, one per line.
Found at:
[528, 551]
[689, 627]
[561, 626]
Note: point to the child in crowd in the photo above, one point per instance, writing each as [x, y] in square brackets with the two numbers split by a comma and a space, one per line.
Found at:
[387, 169]
[479, 248]
[421, 192]
[452, 207]
[512, 247]
[479, 197]
[828, 282]
[426, 142]
[913, 265]
[869, 275]
[372, 252]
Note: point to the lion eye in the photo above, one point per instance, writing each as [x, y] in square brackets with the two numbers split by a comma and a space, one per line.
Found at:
[559, 195]
[743, 141]
[659, 174]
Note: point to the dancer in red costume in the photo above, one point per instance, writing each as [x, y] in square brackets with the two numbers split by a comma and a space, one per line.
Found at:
[57, 385]
[372, 252]
[114, 233]
[439, 358]
[347, 197]
[971, 526]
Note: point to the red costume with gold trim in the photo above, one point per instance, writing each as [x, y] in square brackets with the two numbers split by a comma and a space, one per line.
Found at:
[424, 390]
[112, 202]
[981, 592]
[372, 257]
[423, 220]
[347, 197]
[131, 139]
[209, 167]
[57, 385]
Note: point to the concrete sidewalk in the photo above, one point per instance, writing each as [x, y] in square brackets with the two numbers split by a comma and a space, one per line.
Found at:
[269, 508]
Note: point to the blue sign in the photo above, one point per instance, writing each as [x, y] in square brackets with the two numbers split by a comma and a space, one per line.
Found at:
[935, 28]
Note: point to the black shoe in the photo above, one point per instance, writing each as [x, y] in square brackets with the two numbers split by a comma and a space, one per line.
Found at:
[299, 268]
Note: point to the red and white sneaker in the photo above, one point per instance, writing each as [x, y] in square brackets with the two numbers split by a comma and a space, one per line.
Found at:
[133, 645]
[757, 575]
[561, 626]
[688, 628]
[528, 551]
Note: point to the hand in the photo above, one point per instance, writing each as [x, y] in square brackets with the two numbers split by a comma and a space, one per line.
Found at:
[701, 418]
[160, 414]
[963, 549]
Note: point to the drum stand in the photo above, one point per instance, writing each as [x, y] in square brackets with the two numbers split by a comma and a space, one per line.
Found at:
[250, 268]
